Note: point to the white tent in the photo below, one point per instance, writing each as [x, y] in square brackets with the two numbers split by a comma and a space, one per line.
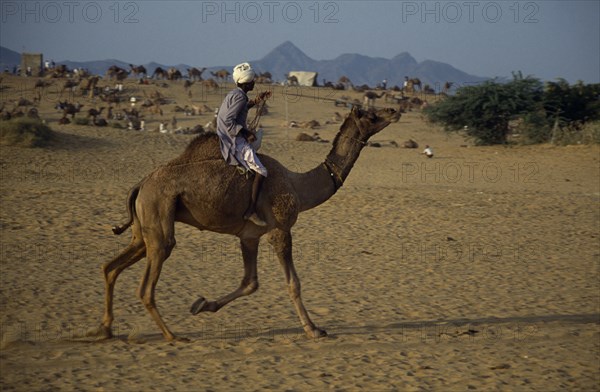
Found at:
[304, 78]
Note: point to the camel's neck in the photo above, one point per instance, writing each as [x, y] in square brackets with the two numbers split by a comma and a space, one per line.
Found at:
[319, 184]
[313, 187]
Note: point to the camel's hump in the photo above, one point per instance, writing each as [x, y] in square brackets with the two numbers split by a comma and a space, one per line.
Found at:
[202, 147]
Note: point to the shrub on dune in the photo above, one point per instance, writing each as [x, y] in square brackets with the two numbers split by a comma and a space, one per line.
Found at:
[25, 132]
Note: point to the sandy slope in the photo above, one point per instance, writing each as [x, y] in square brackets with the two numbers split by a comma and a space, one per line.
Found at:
[477, 269]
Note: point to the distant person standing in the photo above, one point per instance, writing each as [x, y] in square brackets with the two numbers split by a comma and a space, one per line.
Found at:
[428, 152]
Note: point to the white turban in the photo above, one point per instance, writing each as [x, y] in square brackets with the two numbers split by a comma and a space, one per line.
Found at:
[243, 73]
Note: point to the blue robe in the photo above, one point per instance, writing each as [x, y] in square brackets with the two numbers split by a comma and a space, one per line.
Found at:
[231, 119]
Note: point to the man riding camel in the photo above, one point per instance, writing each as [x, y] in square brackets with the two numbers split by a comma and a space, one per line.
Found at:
[238, 143]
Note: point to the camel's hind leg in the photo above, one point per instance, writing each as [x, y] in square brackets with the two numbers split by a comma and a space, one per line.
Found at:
[248, 286]
[111, 270]
[282, 243]
[158, 223]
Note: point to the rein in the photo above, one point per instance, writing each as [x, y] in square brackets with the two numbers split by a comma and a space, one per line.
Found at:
[259, 110]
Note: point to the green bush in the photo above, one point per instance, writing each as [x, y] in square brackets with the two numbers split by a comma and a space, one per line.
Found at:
[576, 103]
[25, 132]
[483, 112]
[544, 111]
[535, 128]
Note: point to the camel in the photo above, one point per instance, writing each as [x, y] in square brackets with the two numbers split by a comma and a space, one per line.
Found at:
[202, 109]
[33, 113]
[370, 97]
[69, 84]
[23, 102]
[312, 124]
[394, 97]
[292, 80]
[412, 84]
[195, 73]
[112, 97]
[210, 84]
[69, 108]
[264, 78]
[139, 70]
[159, 73]
[152, 106]
[60, 71]
[193, 110]
[427, 89]
[121, 75]
[100, 122]
[361, 88]
[199, 189]
[92, 112]
[40, 83]
[157, 97]
[305, 137]
[64, 120]
[174, 74]
[345, 81]
[17, 112]
[81, 73]
[90, 85]
[336, 118]
[221, 75]
[337, 86]
[115, 72]
[447, 87]
[410, 143]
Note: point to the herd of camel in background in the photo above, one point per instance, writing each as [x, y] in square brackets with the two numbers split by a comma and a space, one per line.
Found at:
[411, 85]
[152, 103]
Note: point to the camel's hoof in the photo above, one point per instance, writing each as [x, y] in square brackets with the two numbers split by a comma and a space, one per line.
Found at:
[101, 332]
[199, 305]
[318, 333]
[179, 339]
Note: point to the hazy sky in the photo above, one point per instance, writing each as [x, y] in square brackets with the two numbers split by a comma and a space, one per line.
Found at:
[547, 39]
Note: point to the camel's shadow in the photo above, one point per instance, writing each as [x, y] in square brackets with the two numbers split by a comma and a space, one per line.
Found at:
[516, 328]
[490, 327]
[70, 142]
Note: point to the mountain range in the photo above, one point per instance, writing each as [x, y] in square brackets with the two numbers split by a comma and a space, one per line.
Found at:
[288, 57]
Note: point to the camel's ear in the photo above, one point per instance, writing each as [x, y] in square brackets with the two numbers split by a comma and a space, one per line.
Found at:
[355, 111]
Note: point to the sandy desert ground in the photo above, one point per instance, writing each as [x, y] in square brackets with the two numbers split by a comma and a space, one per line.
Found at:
[475, 270]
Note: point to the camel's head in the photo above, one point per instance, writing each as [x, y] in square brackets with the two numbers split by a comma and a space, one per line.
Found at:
[372, 121]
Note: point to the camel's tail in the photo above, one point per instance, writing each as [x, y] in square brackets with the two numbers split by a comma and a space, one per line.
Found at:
[133, 193]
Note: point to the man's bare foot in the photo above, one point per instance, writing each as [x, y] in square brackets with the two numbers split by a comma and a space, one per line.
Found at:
[253, 217]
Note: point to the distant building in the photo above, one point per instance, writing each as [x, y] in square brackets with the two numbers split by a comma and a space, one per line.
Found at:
[304, 78]
[34, 62]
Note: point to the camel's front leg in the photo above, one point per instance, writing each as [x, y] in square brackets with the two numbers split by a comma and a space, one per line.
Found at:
[249, 282]
[282, 243]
